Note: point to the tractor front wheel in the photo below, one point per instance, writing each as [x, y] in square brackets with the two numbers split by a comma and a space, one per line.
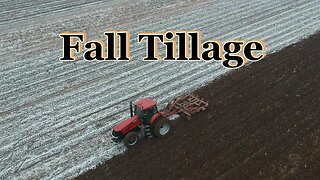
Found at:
[131, 139]
[162, 127]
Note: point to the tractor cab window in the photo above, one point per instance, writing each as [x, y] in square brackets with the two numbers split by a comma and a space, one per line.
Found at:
[149, 113]
[138, 111]
[155, 109]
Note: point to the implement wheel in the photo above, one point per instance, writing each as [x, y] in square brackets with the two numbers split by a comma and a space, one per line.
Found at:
[161, 127]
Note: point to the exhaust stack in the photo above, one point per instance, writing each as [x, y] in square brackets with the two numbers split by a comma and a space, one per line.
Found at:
[131, 110]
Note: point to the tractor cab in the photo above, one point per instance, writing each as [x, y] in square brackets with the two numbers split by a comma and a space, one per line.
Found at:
[145, 109]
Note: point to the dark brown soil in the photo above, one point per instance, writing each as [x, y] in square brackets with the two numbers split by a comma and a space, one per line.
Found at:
[263, 122]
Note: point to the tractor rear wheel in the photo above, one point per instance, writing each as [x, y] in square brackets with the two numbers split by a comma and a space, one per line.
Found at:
[131, 139]
[161, 127]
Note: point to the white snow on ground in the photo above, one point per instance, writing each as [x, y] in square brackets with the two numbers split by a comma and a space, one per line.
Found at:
[56, 117]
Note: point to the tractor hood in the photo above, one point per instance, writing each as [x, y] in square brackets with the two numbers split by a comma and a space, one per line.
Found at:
[126, 123]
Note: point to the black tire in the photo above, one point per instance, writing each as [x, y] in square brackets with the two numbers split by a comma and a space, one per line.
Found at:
[131, 139]
[162, 127]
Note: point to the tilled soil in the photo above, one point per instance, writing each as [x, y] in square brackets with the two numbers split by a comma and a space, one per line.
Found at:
[262, 123]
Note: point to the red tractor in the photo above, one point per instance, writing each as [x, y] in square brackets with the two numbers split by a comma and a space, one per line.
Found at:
[147, 121]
